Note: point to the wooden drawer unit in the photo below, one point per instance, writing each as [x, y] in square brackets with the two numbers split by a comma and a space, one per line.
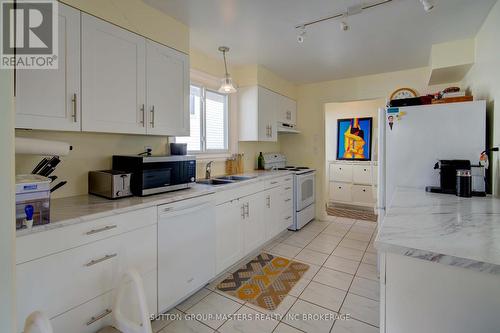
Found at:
[340, 191]
[362, 194]
[44, 243]
[362, 174]
[340, 172]
[62, 281]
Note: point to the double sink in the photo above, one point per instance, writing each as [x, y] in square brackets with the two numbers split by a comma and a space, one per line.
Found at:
[224, 180]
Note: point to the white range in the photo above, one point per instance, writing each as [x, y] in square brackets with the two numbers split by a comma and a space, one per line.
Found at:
[303, 188]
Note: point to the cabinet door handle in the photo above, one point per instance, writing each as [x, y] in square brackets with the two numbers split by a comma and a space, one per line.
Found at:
[287, 179]
[288, 188]
[247, 205]
[99, 316]
[272, 183]
[96, 261]
[152, 122]
[364, 190]
[96, 231]
[286, 200]
[143, 116]
[268, 201]
[73, 101]
[288, 217]
[243, 211]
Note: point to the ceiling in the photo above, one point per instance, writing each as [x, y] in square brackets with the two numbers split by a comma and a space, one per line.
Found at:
[387, 38]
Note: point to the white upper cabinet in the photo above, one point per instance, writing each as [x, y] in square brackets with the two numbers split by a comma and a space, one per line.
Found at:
[287, 113]
[167, 83]
[113, 78]
[258, 112]
[50, 99]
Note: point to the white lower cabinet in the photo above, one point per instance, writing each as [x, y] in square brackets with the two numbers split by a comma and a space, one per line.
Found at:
[229, 234]
[186, 249]
[68, 279]
[254, 232]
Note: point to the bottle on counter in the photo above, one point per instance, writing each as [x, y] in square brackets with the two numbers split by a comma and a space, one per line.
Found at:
[260, 162]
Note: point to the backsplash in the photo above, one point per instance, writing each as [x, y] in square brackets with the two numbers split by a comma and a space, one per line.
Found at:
[93, 151]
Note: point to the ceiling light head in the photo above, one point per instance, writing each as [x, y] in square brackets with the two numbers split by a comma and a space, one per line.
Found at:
[301, 34]
[428, 5]
[227, 86]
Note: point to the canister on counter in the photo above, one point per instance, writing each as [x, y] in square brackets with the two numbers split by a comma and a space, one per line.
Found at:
[464, 183]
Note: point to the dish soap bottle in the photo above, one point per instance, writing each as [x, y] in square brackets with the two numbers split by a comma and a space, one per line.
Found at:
[260, 162]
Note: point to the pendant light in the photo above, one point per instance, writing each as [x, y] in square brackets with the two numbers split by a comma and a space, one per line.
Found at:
[226, 86]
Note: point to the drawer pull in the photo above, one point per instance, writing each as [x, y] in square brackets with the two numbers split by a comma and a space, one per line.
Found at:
[364, 190]
[288, 188]
[99, 317]
[288, 217]
[340, 187]
[96, 231]
[287, 179]
[272, 183]
[289, 199]
[96, 261]
[364, 169]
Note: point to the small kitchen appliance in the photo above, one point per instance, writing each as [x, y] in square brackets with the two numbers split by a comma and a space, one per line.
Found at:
[448, 175]
[478, 174]
[178, 148]
[110, 184]
[157, 174]
[32, 200]
[304, 190]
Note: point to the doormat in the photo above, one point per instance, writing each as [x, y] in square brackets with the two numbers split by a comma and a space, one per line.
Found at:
[352, 214]
[264, 281]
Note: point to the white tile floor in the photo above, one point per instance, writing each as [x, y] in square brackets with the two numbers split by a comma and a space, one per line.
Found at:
[342, 278]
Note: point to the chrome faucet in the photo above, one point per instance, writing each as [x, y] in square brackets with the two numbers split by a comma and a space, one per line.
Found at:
[208, 170]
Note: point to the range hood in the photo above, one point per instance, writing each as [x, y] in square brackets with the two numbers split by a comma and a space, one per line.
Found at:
[287, 128]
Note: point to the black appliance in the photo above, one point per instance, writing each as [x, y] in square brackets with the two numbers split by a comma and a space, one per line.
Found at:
[448, 175]
[157, 174]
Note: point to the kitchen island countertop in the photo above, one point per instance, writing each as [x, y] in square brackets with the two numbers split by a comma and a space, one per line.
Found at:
[443, 228]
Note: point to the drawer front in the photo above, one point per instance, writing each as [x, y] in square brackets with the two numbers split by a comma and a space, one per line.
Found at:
[44, 243]
[95, 314]
[279, 181]
[340, 192]
[340, 172]
[362, 174]
[82, 273]
[362, 194]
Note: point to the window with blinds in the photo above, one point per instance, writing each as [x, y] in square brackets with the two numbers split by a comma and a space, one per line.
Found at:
[209, 121]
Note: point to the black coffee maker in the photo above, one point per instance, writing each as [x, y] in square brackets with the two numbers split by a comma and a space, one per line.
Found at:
[448, 175]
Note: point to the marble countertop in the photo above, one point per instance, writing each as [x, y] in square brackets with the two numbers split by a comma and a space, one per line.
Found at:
[463, 232]
[84, 208]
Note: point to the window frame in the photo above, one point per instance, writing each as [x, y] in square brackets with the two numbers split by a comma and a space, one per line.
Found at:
[203, 134]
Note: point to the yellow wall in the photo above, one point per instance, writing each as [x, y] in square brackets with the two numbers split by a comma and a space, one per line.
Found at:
[7, 204]
[308, 147]
[137, 16]
[484, 81]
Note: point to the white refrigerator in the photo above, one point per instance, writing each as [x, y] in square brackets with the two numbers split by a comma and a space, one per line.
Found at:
[421, 136]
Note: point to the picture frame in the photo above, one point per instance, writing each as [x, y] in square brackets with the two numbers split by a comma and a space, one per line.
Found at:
[354, 143]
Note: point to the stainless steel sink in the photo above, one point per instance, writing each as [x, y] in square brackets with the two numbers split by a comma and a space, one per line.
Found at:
[236, 178]
[215, 182]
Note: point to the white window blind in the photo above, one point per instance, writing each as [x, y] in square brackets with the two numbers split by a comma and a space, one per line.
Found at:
[209, 121]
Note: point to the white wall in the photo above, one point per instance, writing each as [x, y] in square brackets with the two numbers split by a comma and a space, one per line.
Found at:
[484, 82]
[7, 217]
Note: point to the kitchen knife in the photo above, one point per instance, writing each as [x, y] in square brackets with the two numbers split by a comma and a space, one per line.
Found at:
[52, 178]
[40, 165]
[50, 167]
[58, 186]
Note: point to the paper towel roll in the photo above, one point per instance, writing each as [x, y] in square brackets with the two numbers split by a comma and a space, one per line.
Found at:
[41, 147]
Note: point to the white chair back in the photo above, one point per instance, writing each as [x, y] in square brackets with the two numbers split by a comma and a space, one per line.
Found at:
[121, 322]
[37, 320]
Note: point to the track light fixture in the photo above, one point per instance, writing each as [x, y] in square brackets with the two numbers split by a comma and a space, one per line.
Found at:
[350, 11]
[428, 5]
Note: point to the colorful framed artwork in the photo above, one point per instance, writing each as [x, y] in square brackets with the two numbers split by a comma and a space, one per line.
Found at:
[354, 139]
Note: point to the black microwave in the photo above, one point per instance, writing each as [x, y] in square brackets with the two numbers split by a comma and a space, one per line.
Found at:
[157, 174]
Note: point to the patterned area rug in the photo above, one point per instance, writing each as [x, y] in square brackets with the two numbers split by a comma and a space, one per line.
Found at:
[264, 281]
[352, 214]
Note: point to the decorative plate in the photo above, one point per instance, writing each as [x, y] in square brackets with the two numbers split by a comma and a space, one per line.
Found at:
[403, 93]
